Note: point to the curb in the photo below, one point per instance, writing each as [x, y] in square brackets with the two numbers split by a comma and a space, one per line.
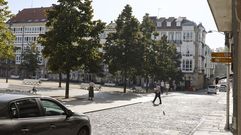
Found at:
[112, 108]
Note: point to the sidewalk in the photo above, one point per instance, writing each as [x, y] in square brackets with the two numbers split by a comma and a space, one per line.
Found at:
[79, 102]
[214, 122]
[108, 97]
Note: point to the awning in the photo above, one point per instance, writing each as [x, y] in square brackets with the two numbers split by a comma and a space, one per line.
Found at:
[222, 14]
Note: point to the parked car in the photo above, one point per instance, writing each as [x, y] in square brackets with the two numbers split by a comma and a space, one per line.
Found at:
[212, 89]
[35, 115]
[223, 88]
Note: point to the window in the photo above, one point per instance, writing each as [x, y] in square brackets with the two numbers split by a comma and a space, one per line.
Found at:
[170, 36]
[13, 110]
[168, 24]
[26, 108]
[18, 58]
[51, 108]
[159, 24]
[187, 65]
[187, 36]
[178, 23]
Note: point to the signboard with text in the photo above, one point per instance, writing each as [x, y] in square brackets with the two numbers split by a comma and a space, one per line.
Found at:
[221, 54]
[221, 57]
[222, 60]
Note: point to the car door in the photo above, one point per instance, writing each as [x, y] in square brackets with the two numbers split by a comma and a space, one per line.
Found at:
[27, 118]
[58, 121]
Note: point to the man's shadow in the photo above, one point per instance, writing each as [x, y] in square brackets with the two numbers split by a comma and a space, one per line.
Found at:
[156, 104]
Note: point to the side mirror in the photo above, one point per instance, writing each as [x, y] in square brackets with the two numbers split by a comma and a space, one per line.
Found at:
[69, 113]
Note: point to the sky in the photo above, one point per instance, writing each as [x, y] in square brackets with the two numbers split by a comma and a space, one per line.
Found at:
[108, 10]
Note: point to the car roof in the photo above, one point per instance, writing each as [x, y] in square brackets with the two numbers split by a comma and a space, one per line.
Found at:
[10, 97]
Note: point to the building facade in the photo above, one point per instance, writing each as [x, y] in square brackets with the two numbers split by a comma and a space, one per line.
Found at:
[189, 39]
[27, 25]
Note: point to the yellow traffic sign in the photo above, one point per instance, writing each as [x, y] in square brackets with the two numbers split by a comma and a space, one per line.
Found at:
[222, 60]
[221, 54]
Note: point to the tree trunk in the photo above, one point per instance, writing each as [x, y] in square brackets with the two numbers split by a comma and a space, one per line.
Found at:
[125, 80]
[7, 68]
[60, 80]
[67, 85]
[147, 83]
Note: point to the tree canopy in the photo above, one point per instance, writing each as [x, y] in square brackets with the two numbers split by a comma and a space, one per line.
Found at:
[122, 47]
[29, 63]
[72, 37]
[134, 50]
[6, 36]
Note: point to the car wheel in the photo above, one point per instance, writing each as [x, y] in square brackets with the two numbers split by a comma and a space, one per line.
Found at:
[83, 131]
[208, 92]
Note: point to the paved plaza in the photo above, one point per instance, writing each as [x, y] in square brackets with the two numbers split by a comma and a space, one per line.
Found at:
[182, 113]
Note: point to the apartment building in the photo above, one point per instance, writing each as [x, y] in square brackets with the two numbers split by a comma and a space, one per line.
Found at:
[26, 26]
[189, 39]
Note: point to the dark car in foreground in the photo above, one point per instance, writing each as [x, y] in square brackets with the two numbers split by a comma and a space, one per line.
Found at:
[36, 115]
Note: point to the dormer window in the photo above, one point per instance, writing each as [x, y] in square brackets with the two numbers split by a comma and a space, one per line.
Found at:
[159, 24]
[168, 24]
[178, 23]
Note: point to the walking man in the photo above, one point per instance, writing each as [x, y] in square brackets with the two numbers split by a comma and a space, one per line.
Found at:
[157, 94]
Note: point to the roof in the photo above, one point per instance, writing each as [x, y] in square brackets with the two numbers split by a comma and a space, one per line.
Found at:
[9, 97]
[30, 15]
[173, 21]
[186, 22]
[170, 19]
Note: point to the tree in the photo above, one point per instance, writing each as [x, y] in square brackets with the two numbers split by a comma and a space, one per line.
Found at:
[29, 63]
[148, 29]
[73, 37]
[123, 48]
[166, 60]
[6, 36]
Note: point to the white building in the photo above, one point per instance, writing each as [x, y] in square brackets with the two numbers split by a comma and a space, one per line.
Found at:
[190, 41]
[26, 26]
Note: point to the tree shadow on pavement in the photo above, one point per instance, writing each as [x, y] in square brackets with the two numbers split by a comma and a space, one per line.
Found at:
[198, 92]
[99, 98]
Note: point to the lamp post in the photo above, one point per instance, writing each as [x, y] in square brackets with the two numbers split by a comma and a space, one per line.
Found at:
[228, 83]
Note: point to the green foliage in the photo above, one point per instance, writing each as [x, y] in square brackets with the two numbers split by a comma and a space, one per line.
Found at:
[72, 41]
[166, 60]
[147, 29]
[6, 37]
[29, 63]
[123, 47]
[73, 36]
[134, 50]
[123, 50]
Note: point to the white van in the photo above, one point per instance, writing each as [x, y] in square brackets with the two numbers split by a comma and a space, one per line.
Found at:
[212, 89]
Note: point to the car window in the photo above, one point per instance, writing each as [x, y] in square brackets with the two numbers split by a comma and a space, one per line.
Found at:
[211, 86]
[25, 108]
[13, 110]
[51, 108]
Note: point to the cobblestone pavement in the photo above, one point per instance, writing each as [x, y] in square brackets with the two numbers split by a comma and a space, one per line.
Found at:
[179, 114]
